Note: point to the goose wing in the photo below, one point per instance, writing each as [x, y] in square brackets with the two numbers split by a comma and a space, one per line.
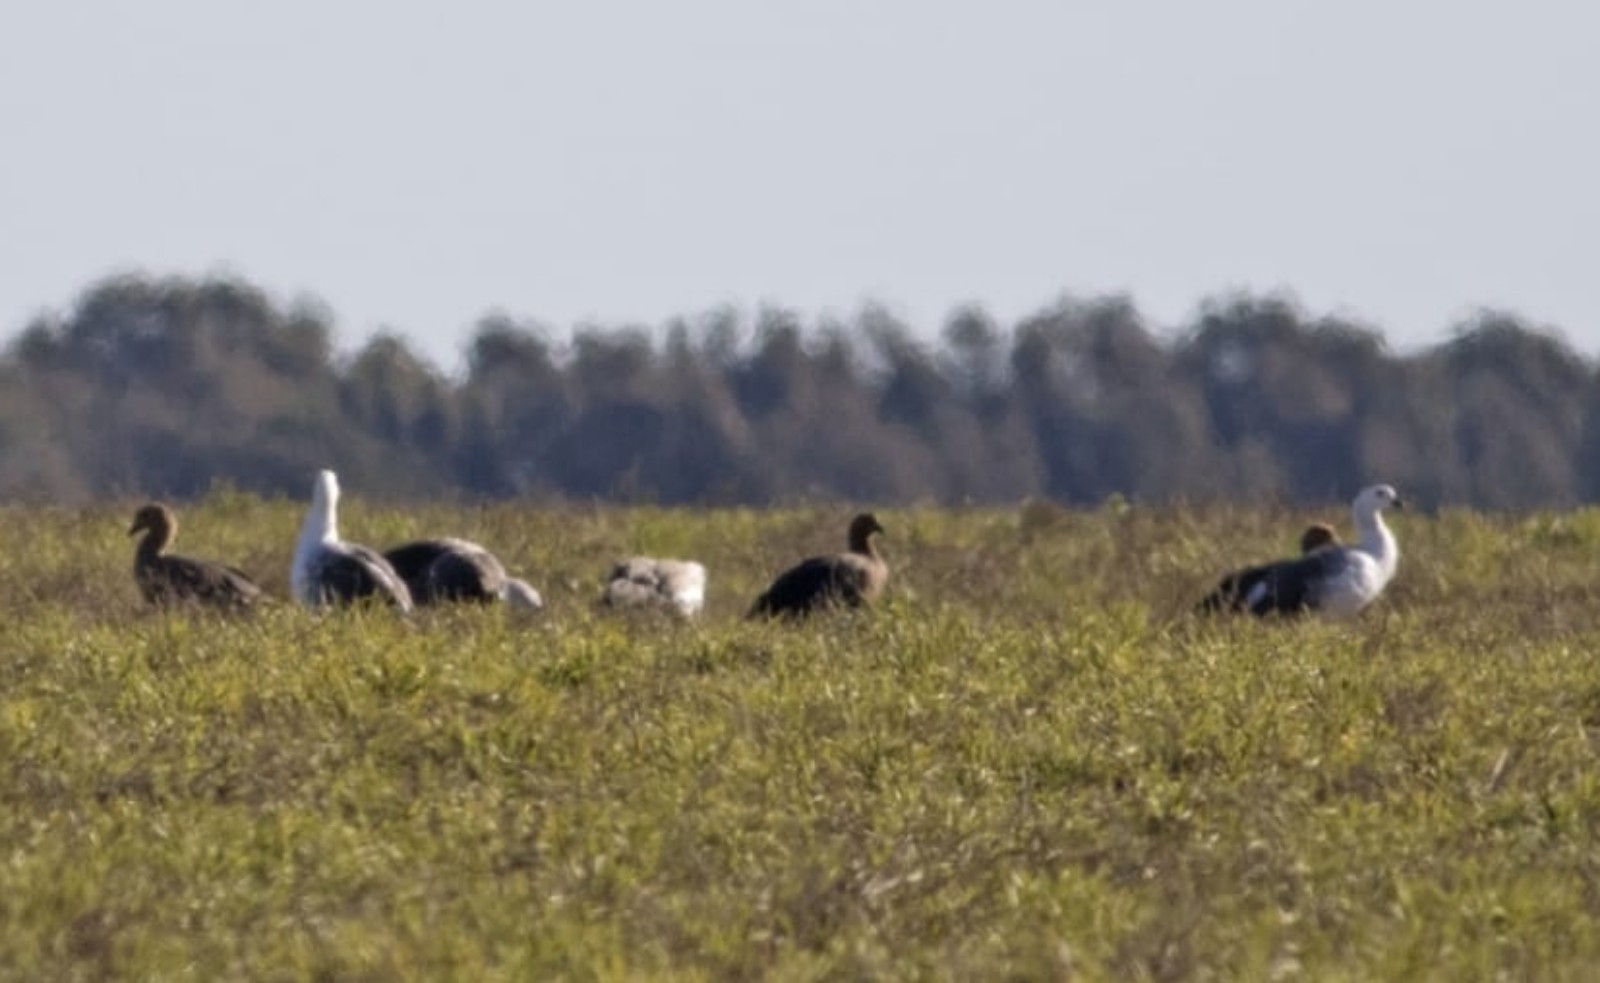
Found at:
[350, 572]
[1294, 586]
[180, 578]
[1232, 589]
[448, 570]
[813, 583]
[411, 562]
[467, 572]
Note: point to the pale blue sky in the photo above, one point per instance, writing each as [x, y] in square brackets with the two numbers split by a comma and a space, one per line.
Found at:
[417, 165]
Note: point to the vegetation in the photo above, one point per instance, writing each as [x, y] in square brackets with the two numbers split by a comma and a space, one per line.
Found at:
[162, 387]
[1030, 762]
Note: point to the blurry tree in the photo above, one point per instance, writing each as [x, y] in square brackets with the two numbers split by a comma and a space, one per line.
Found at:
[1109, 412]
[1521, 397]
[406, 409]
[515, 404]
[165, 386]
[1264, 379]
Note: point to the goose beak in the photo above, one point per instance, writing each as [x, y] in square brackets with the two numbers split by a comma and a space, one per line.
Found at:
[1399, 503]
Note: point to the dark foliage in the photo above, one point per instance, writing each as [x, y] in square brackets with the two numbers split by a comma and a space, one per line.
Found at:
[168, 387]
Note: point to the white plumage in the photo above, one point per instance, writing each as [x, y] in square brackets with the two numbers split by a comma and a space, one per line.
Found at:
[642, 581]
[327, 570]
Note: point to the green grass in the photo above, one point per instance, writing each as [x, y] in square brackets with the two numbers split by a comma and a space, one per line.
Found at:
[1029, 763]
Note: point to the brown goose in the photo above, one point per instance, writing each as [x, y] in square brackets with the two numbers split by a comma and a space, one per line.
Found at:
[164, 578]
[853, 578]
[447, 569]
[1316, 536]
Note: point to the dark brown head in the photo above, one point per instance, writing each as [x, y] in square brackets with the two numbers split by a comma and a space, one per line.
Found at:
[157, 521]
[1316, 536]
[862, 528]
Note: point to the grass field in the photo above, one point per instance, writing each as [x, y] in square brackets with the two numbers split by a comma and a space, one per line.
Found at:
[1030, 763]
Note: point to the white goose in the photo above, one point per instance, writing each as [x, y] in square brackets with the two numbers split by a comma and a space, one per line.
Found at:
[643, 581]
[328, 571]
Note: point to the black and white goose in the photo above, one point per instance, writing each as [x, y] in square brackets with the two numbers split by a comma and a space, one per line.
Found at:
[447, 569]
[643, 581]
[165, 578]
[328, 571]
[1330, 578]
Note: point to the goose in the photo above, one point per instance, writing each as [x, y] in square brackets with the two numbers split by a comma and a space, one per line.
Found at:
[328, 571]
[1316, 536]
[853, 578]
[166, 578]
[643, 581]
[447, 569]
[1239, 583]
[1331, 579]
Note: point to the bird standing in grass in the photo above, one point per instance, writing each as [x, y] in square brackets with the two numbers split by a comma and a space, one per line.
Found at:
[853, 578]
[165, 578]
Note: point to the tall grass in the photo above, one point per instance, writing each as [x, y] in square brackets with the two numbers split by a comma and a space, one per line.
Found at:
[1030, 762]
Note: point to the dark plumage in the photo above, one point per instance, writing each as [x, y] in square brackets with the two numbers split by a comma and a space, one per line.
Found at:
[852, 579]
[1283, 587]
[447, 569]
[1231, 593]
[1316, 536]
[164, 578]
[344, 573]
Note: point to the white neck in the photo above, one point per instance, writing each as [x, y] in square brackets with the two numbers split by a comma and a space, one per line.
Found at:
[1376, 539]
[320, 526]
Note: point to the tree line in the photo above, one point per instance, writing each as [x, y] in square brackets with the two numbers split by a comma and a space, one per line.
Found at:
[168, 387]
